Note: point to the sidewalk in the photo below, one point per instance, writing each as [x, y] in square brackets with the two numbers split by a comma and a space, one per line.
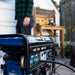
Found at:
[63, 70]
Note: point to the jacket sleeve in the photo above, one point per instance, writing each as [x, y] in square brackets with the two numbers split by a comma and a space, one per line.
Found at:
[29, 8]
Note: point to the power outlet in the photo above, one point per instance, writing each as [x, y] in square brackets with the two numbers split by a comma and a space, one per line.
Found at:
[43, 55]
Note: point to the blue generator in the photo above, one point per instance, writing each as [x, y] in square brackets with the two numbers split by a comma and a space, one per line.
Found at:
[23, 54]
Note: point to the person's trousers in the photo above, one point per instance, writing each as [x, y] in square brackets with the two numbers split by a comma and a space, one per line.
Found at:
[24, 29]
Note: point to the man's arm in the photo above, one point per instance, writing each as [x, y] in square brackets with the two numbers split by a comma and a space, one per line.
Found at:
[29, 10]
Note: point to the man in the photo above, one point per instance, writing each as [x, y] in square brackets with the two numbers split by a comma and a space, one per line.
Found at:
[23, 14]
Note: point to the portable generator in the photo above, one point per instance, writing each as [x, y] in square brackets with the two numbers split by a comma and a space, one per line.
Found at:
[23, 54]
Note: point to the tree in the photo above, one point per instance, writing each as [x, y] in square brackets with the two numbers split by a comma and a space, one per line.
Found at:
[57, 6]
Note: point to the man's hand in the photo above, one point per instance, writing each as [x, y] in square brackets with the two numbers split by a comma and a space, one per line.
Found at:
[26, 21]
